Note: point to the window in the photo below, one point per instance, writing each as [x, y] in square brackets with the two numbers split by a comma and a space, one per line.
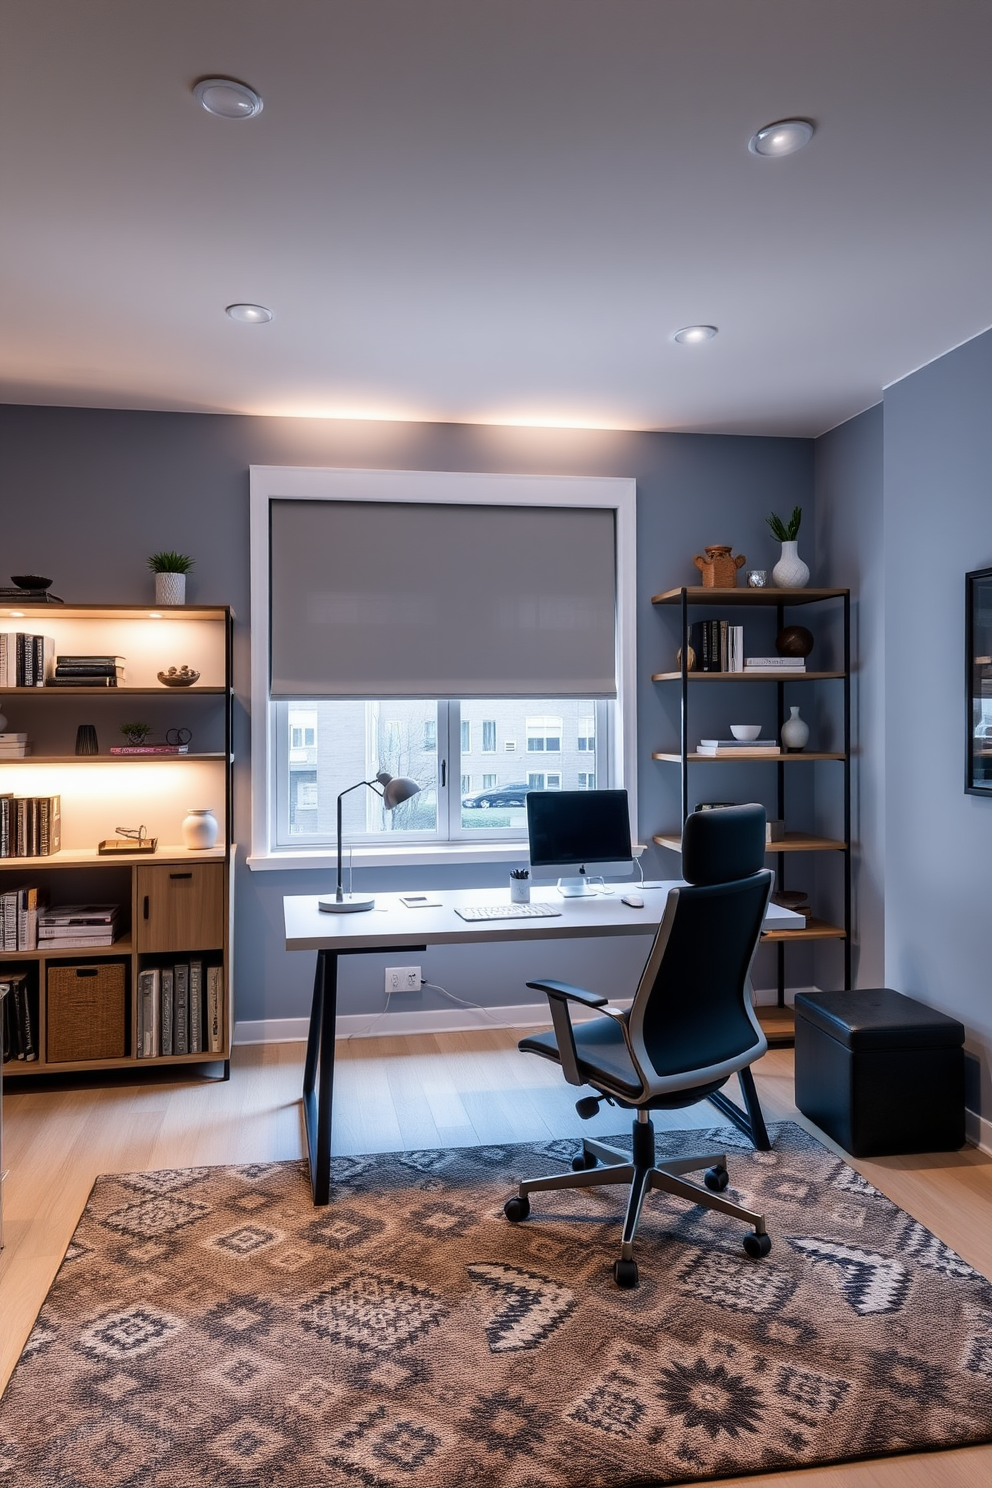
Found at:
[366, 658]
[586, 781]
[535, 782]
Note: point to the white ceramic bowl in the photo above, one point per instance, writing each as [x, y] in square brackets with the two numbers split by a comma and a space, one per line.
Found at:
[745, 730]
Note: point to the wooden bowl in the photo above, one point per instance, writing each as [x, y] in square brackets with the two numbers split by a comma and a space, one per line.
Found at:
[178, 677]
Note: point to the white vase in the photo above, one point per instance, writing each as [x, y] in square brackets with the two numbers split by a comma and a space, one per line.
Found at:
[170, 588]
[790, 572]
[795, 732]
[200, 828]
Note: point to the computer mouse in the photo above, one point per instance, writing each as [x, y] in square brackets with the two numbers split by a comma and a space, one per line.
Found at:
[634, 900]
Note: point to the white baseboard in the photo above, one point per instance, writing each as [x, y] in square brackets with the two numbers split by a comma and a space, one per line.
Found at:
[427, 1020]
[978, 1131]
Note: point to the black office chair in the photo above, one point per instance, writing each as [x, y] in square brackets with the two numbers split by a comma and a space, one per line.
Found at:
[690, 1027]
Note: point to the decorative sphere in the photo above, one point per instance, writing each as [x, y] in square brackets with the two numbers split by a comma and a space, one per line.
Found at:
[794, 640]
[690, 665]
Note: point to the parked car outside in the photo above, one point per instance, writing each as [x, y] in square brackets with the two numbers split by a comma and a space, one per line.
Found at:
[500, 795]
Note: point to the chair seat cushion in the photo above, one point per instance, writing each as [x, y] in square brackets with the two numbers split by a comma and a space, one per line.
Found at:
[603, 1056]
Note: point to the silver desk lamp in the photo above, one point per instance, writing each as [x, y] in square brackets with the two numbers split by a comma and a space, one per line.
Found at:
[394, 789]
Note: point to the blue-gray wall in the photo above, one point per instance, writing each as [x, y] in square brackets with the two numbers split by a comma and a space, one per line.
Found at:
[88, 494]
[938, 841]
[848, 482]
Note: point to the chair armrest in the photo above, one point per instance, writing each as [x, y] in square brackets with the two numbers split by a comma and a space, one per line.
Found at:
[566, 992]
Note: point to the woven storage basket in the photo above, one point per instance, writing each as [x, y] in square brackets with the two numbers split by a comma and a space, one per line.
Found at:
[86, 1012]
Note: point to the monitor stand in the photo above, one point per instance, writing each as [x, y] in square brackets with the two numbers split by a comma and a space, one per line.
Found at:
[575, 888]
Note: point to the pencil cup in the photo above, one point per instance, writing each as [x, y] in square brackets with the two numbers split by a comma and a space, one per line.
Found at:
[519, 891]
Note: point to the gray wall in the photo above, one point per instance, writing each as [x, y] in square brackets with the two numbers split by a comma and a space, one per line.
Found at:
[938, 841]
[88, 494]
[849, 547]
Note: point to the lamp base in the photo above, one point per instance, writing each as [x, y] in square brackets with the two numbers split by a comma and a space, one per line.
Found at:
[350, 904]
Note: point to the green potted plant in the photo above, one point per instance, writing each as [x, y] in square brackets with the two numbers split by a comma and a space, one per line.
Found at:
[170, 569]
[790, 572]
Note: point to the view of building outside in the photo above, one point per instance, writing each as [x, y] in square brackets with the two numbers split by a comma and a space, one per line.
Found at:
[507, 747]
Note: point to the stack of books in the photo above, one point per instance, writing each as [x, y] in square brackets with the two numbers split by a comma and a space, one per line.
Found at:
[742, 748]
[30, 826]
[719, 646]
[16, 595]
[18, 1017]
[180, 1010]
[14, 746]
[84, 925]
[25, 660]
[88, 671]
[772, 665]
[19, 909]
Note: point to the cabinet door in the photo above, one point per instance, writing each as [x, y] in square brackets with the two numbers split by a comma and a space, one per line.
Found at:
[180, 908]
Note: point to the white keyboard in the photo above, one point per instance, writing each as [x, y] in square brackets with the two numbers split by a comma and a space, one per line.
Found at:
[508, 912]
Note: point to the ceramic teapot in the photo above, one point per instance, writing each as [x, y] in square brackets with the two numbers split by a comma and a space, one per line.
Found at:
[718, 568]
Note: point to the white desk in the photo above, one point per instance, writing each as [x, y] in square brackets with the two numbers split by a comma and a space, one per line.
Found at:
[392, 926]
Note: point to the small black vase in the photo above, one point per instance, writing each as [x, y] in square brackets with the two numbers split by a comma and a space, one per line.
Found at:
[86, 739]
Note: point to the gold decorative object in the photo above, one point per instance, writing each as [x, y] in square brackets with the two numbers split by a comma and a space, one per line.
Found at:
[690, 664]
[718, 568]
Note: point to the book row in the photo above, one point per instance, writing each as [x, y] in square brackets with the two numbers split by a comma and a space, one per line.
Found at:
[30, 661]
[180, 1010]
[719, 647]
[19, 1039]
[30, 826]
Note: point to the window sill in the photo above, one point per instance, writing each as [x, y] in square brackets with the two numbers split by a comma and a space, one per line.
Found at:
[408, 856]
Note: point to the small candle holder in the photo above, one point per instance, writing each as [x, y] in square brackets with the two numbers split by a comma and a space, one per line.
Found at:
[757, 578]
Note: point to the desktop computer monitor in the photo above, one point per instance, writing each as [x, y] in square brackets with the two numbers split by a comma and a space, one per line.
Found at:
[577, 835]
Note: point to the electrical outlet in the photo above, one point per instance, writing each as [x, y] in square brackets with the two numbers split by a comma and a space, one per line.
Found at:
[402, 979]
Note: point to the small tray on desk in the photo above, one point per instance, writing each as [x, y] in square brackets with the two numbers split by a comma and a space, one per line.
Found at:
[111, 845]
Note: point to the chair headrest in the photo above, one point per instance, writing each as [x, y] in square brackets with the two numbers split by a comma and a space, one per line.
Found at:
[724, 844]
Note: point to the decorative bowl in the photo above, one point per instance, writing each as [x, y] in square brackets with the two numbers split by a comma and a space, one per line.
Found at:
[30, 581]
[182, 676]
[745, 730]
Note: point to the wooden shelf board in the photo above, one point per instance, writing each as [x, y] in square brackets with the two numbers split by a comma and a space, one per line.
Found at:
[104, 759]
[72, 857]
[815, 930]
[791, 842]
[779, 1024]
[746, 759]
[771, 675]
[114, 612]
[67, 1067]
[45, 952]
[159, 690]
[696, 595]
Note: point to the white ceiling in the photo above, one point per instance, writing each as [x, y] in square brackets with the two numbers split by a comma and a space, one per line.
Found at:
[492, 210]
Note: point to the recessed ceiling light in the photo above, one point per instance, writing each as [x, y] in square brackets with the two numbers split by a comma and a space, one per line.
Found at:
[227, 99]
[690, 335]
[783, 138]
[249, 314]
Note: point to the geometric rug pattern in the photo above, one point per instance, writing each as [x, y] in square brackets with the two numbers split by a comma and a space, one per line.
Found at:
[210, 1327]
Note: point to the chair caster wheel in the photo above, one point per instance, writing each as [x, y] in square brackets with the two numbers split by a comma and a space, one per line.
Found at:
[757, 1246]
[625, 1274]
[583, 1161]
[716, 1179]
[517, 1209]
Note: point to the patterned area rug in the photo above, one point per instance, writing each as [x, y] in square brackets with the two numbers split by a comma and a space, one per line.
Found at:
[210, 1327]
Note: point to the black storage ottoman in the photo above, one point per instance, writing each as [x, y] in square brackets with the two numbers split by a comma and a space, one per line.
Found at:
[879, 1072]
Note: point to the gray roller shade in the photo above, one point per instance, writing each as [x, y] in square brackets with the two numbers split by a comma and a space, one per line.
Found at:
[409, 599]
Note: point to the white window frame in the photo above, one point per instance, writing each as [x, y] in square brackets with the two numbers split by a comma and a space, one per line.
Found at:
[270, 483]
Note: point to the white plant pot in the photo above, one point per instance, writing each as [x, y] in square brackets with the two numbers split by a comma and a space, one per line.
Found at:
[170, 588]
[200, 828]
[795, 731]
[790, 572]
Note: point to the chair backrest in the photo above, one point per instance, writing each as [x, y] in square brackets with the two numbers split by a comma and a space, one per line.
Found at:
[691, 1020]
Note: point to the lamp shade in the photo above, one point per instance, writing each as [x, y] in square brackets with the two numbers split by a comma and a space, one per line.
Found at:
[396, 789]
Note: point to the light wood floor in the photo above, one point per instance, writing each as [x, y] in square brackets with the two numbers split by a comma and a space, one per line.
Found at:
[445, 1090]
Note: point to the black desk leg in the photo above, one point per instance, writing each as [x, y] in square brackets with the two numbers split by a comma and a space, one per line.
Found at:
[318, 1074]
